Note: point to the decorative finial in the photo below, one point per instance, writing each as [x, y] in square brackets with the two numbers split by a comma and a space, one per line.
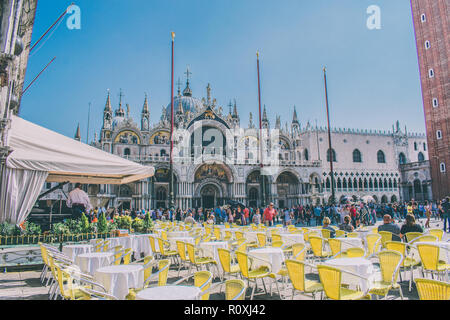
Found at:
[257, 54]
[173, 36]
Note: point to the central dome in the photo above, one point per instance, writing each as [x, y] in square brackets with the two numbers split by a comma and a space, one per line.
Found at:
[188, 102]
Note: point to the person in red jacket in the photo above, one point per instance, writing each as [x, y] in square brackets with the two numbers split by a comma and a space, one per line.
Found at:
[269, 214]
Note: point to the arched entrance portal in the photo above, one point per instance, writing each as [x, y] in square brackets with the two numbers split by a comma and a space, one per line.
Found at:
[212, 185]
[288, 190]
[209, 196]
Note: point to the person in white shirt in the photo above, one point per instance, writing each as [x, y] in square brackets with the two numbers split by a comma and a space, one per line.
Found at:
[79, 201]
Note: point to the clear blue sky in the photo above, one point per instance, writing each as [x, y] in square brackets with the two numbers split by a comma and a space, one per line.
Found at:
[373, 75]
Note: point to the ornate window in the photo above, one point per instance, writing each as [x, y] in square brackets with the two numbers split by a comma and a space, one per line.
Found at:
[333, 155]
[357, 156]
[402, 158]
[421, 157]
[381, 157]
[306, 155]
[127, 152]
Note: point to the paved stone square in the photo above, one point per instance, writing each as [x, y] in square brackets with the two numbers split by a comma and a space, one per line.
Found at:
[25, 285]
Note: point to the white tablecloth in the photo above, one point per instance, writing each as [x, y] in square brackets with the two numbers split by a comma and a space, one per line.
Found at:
[210, 250]
[291, 238]
[347, 243]
[141, 245]
[169, 293]
[117, 280]
[177, 234]
[274, 255]
[75, 249]
[90, 262]
[360, 266]
[173, 241]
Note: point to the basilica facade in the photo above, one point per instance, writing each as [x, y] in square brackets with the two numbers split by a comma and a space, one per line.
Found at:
[216, 160]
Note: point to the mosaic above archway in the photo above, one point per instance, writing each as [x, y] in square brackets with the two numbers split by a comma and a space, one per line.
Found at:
[127, 137]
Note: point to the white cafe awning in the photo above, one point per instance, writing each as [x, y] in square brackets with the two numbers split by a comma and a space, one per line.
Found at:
[39, 149]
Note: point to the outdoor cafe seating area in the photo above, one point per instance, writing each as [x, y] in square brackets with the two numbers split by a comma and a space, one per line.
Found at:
[180, 261]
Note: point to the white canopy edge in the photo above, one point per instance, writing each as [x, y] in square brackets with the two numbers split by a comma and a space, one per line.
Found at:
[39, 149]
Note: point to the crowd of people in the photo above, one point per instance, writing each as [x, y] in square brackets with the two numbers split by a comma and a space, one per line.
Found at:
[345, 214]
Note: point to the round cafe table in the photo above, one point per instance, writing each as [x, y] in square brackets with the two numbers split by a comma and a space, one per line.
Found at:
[210, 250]
[75, 249]
[360, 266]
[169, 293]
[89, 262]
[117, 280]
[347, 243]
[173, 242]
[274, 255]
[141, 245]
[177, 234]
[291, 238]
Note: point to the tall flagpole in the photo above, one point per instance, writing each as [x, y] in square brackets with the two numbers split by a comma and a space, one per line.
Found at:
[330, 150]
[263, 188]
[171, 191]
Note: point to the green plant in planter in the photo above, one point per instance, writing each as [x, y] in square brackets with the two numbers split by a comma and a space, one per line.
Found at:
[138, 225]
[61, 229]
[102, 224]
[85, 227]
[148, 223]
[32, 228]
[124, 222]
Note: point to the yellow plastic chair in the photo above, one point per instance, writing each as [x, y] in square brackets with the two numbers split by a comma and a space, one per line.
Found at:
[352, 235]
[198, 261]
[390, 262]
[373, 244]
[424, 238]
[408, 262]
[162, 274]
[336, 248]
[228, 235]
[217, 234]
[385, 236]
[262, 240]
[239, 235]
[411, 236]
[432, 289]
[164, 251]
[340, 233]
[67, 289]
[331, 279]
[225, 260]
[299, 251]
[155, 251]
[429, 255]
[276, 237]
[439, 233]
[181, 249]
[317, 247]
[355, 252]
[296, 272]
[277, 244]
[326, 234]
[164, 235]
[252, 275]
[235, 289]
[202, 280]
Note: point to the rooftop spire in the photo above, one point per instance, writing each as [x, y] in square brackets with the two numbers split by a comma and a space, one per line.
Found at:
[235, 114]
[145, 108]
[187, 91]
[108, 103]
[78, 134]
[278, 123]
[264, 114]
[295, 118]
